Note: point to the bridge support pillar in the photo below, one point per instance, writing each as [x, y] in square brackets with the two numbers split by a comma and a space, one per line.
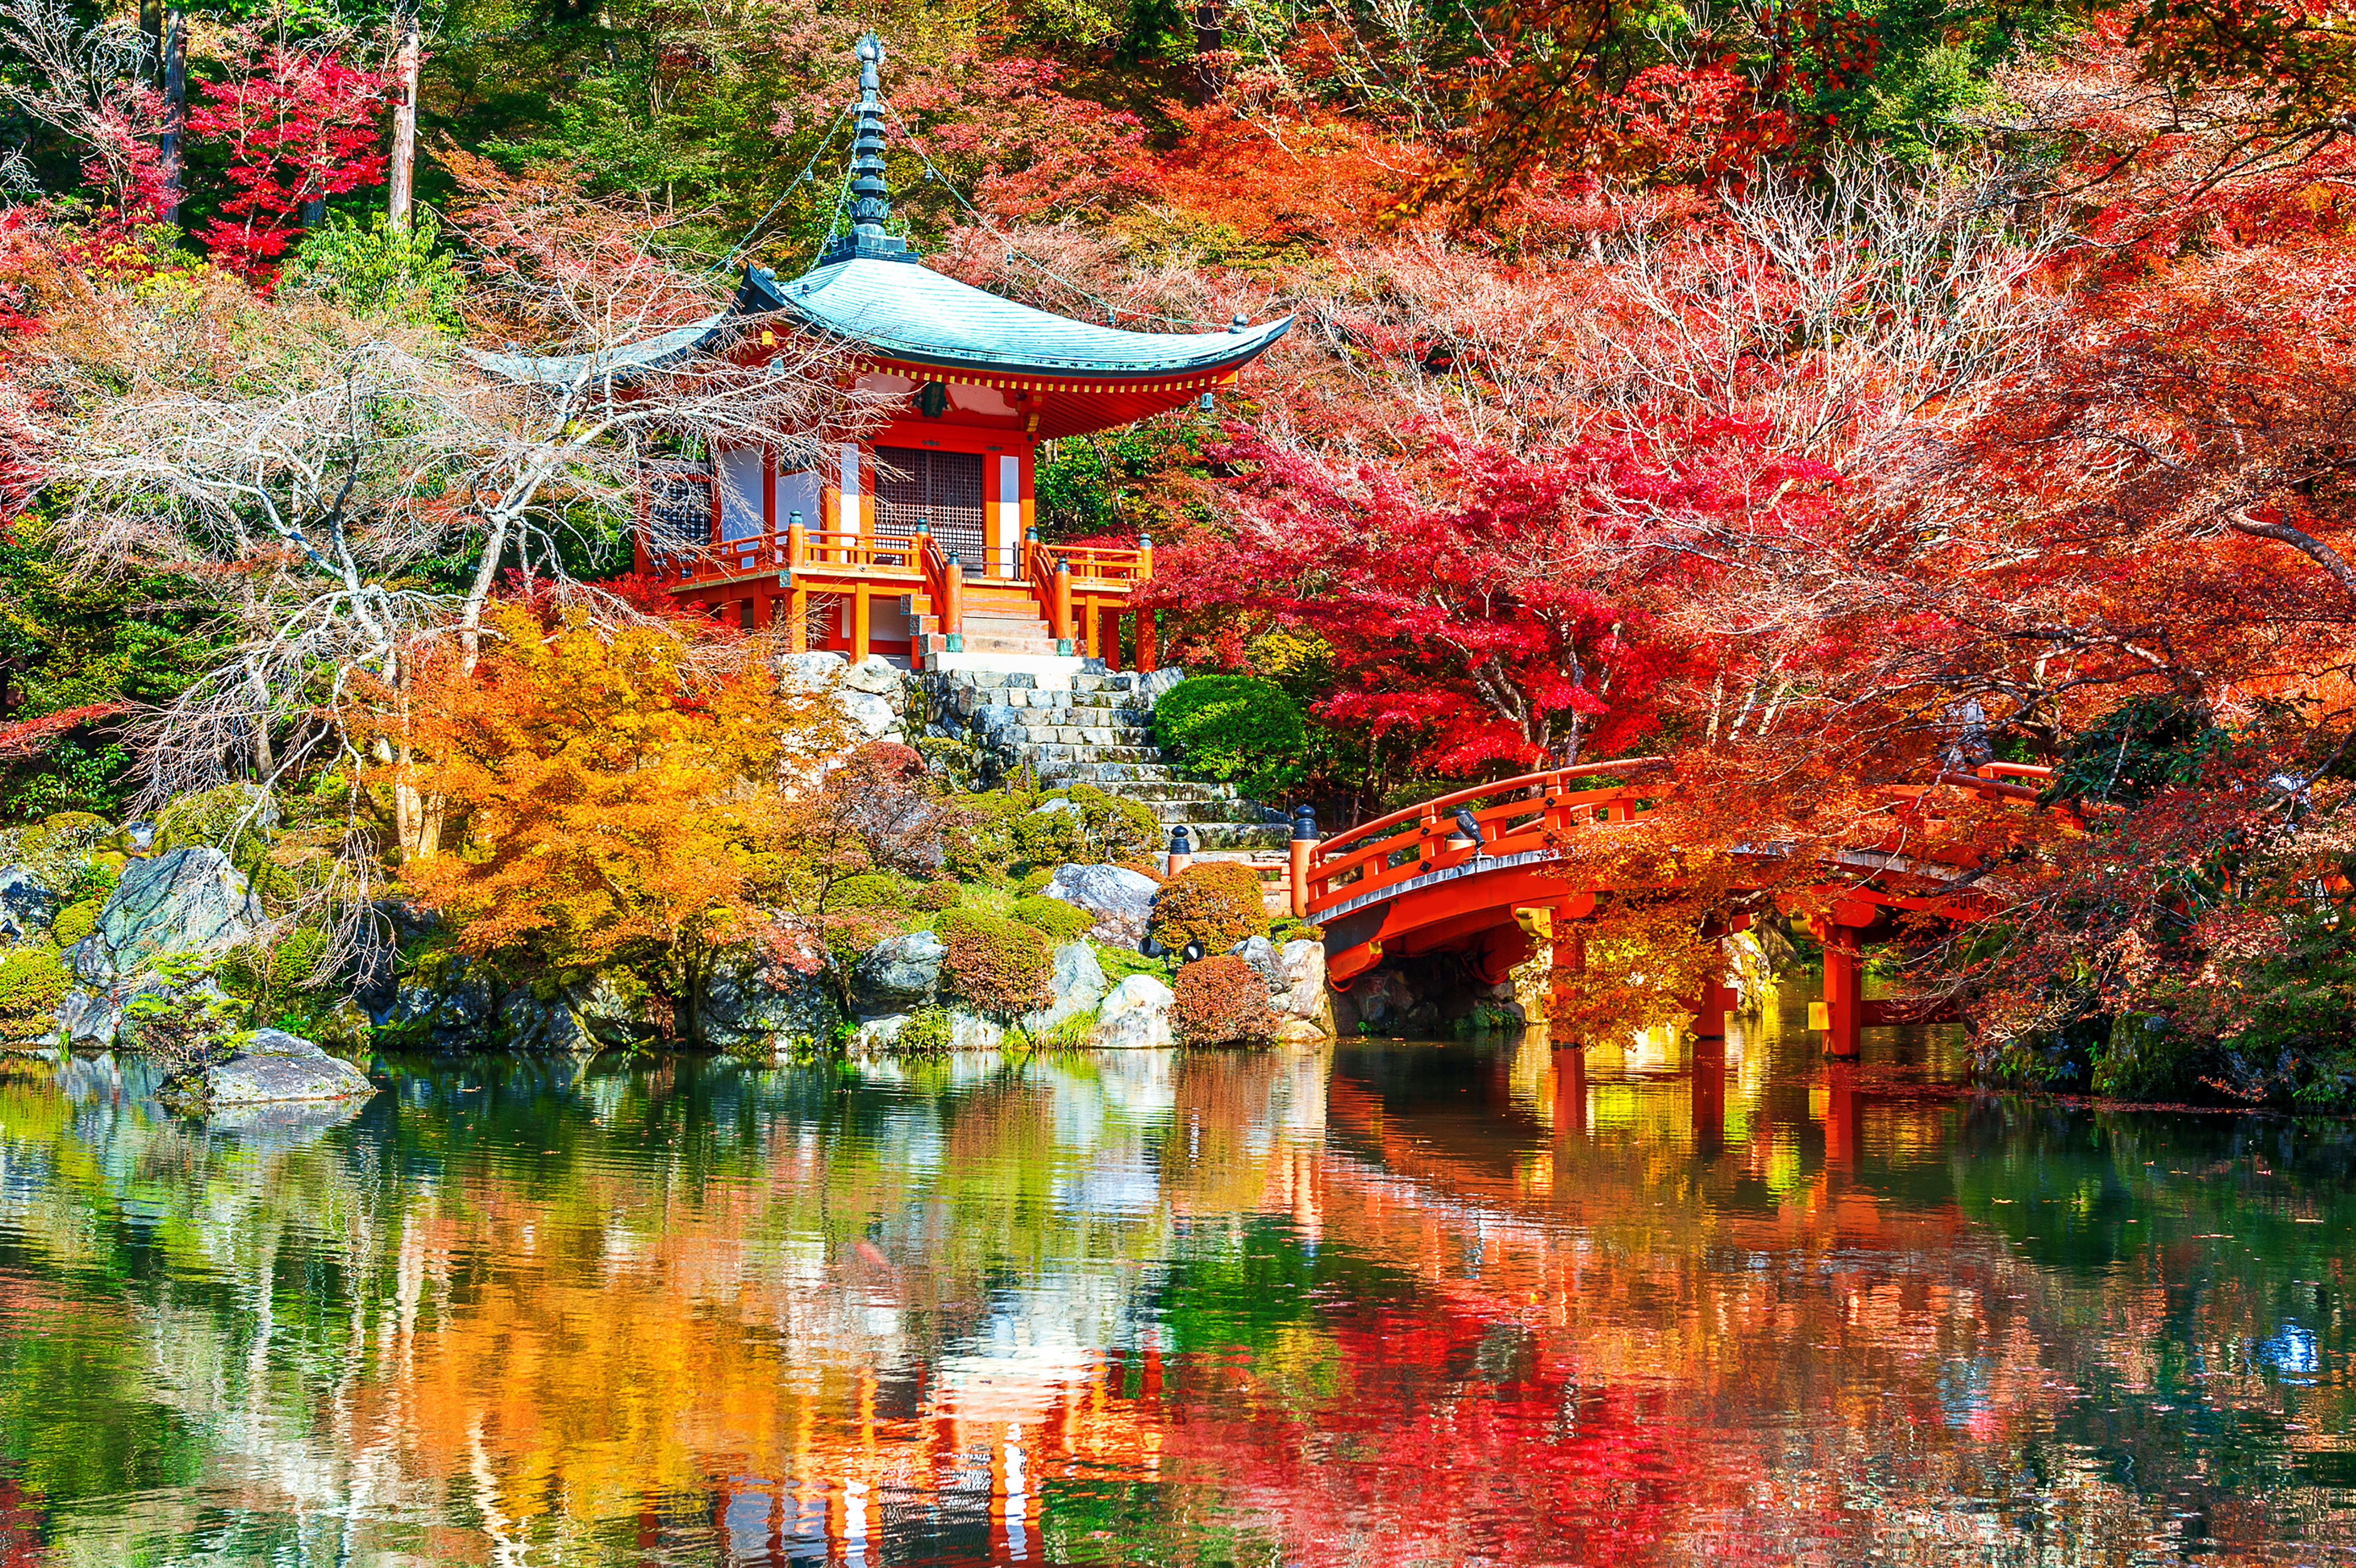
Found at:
[1843, 994]
[1570, 1090]
[1708, 1097]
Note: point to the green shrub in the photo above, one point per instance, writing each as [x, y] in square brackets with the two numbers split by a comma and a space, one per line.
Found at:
[934, 897]
[1214, 902]
[874, 890]
[275, 979]
[925, 1032]
[980, 836]
[1031, 882]
[75, 922]
[377, 270]
[997, 967]
[1060, 921]
[1222, 1000]
[33, 980]
[1248, 732]
[1090, 828]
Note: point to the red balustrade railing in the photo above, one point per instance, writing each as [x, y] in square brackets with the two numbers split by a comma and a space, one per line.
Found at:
[1535, 811]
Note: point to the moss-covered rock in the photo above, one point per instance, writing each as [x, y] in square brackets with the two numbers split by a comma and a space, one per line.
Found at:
[33, 980]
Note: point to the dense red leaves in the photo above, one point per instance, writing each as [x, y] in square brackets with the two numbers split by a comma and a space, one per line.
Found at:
[300, 127]
[30, 737]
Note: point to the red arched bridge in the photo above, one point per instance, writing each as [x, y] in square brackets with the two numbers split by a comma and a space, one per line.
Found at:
[1482, 872]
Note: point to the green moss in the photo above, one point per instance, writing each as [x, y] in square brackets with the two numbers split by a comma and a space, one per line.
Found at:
[33, 980]
[75, 922]
[874, 890]
[236, 819]
[1060, 921]
[1032, 882]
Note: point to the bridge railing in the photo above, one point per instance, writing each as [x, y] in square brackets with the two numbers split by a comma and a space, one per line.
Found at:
[1534, 811]
[1512, 815]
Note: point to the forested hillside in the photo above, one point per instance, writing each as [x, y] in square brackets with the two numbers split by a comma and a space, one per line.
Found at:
[1826, 399]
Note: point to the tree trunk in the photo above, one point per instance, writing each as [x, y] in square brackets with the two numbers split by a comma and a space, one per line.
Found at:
[175, 54]
[404, 126]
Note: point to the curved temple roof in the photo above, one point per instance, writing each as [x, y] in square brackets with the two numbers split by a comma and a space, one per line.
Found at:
[905, 311]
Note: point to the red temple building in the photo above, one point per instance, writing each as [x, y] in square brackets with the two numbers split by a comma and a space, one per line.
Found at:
[920, 543]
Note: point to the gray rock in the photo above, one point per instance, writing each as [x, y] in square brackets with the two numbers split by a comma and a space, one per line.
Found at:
[453, 1010]
[1151, 688]
[277, 1066]
[26, 905]
[1261, 953]
[968, 1031]
[190, 901]
[606, 1015]
[897, 973]
[1383, 1001]
[1080, 984]
[1059, 804]
[766, 1004]
[881, 677]
[869, 715]
[525, 1022]
[1135, 1015]
[811, 672]
[1300, 995]
[94, 1016]
[1120, 900]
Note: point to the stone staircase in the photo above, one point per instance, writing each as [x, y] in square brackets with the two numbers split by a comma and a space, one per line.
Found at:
[1001, 618]
[1089, 726]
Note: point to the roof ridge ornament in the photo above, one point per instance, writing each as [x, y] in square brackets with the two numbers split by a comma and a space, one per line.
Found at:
[869, 196]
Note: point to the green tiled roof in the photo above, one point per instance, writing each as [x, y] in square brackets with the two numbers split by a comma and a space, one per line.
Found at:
[905, 310]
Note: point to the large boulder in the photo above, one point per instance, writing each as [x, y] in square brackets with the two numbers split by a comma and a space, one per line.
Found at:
[1301, 992]
[766, 1003]
[872, 694]
[968, 1031]
[277, 1066]
[27, 904]
[1080, 982]
[191, 901]
[897, 973]
[447, 1008]
[1120, 900]
[1135, 1015]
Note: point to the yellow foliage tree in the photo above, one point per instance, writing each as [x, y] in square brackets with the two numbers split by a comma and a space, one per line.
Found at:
[609, 789]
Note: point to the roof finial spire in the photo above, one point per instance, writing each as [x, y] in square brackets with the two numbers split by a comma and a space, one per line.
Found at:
[871, 198]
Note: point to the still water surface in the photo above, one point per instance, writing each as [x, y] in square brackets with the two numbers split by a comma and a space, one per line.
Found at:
[1384, 1304]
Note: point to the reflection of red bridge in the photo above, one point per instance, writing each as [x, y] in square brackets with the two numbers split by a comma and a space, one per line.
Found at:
[1419, 881]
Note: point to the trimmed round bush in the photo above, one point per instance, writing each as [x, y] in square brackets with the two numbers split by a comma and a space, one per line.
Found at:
[1222, 1001]
[997, 967]
[1060, 921]
[872, 890]
[1214, 902]
[1237, 727]
[936, 896]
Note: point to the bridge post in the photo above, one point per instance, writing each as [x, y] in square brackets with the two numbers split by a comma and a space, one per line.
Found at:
[1569, 1090]
[1303, 848]
[1844, 989]
[1708, 1097]
[1842, 1105]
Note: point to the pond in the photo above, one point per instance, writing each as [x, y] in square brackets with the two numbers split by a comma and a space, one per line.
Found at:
[1384, 1303]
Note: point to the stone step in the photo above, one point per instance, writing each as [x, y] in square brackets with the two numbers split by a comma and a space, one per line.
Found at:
[1175, 791]
[1243, 813]
[1238, 835]
[1080, 735]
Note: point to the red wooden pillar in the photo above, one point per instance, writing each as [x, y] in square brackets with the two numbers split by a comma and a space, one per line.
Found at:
[1145, 650]
[1844, 975]
[1062, 629]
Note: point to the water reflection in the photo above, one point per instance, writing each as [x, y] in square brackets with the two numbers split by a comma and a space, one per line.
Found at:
[1382, 1304]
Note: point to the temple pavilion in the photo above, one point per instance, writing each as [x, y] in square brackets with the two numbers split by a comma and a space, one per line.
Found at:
[920, 543]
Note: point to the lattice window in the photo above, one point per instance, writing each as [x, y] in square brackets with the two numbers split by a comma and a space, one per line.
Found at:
[678, 511]
[944, 489]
